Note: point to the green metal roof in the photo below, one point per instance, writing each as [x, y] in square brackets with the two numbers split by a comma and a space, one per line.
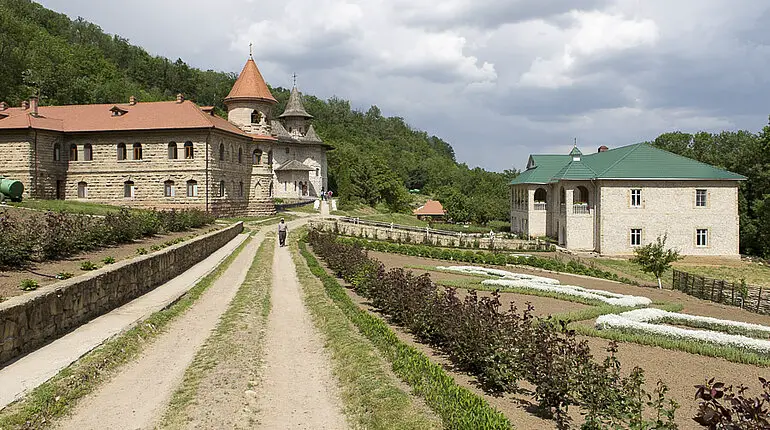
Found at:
[639, 161]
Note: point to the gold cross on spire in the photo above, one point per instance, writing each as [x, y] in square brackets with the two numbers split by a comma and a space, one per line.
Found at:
[251, 54]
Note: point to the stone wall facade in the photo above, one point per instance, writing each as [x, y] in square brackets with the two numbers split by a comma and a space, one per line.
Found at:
[30, 320]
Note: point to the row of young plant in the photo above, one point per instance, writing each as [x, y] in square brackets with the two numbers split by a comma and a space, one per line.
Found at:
[482, 257]
[504, 347]
[56, 235]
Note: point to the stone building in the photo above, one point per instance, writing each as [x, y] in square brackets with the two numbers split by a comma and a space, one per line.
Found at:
[168, 154]
[617, 199]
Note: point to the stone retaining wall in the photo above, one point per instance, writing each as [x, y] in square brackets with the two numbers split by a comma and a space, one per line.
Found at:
[30, 320]
[415, 237]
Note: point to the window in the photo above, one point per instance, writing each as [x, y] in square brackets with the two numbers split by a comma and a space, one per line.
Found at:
[240, 189]
[288, 150]
[73, 152]
[188, 151]
[636, 198]
[541, 195]
[256, 157]
[56, 151]
[137, 151]
[563, 196]
[240, 155]
[636, 237]
[582, 195]
[256, 117]
[270, 158]
[129, 190]
[172, 152]
[192, 188]
[270, 189]
[221, 188]
[701, 237]
[700, 198]
[88, 152]
[317, 171]
[122, 155]
[82, 190]
[221, 152]
[168, 189]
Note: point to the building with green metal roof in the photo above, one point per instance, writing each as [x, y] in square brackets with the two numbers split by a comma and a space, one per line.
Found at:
[616, 199]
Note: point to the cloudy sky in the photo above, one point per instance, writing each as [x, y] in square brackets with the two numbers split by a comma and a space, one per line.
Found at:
[498, 79]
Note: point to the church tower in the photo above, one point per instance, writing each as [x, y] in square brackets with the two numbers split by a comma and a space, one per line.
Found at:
[250, 103]
[295, 117]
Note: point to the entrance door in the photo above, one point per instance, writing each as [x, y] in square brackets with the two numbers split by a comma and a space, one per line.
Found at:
[59, 189]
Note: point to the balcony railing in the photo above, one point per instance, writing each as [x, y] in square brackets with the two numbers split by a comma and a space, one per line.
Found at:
[540, 206]
[581, 209]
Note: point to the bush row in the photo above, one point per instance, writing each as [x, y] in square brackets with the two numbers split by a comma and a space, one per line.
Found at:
[56, 235]
[484, 257]
[458, 407]
[503, 347]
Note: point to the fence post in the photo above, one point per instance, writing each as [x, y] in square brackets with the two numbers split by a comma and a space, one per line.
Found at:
[759, 298]
[732, 285]
[713, 282]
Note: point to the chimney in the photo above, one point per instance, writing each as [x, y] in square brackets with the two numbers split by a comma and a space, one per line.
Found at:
[603, 148]
[33, 105]
[3, 106]
[132, 100]
[179, 98]
[25, 104]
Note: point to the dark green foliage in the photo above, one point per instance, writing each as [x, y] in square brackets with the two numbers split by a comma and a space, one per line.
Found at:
[725, 408]
[503, 347]
[56, 235]
[741, 152]
[108, 260]
[482, 257]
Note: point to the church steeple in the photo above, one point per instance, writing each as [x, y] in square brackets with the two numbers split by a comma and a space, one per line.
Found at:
[294, 107]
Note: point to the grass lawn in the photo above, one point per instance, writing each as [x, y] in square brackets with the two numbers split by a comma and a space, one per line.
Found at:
[71, 206]
[630, 270]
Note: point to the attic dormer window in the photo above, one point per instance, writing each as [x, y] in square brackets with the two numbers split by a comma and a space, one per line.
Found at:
[116, 111]
[575, 153]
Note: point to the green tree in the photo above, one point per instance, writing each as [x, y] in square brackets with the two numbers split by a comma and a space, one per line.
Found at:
[655, 258]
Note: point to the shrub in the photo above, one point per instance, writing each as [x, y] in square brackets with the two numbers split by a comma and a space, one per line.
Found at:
[88, 265]
[108, 260]
[723, 407]
[64, 275]
[29, 285]
[141, 251]
[501, 347]
[154, 248]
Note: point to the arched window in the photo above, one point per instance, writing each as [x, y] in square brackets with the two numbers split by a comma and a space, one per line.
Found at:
[122, 155]
[56, 151]
[82, 190]
[221, 188]
[240, 155]
[541, 195]
[563, 196]
[270, 157]
[221, 152]
[189, 154]
[129, 190]
[240, 189]
[317, 171]
[256, 157]
[137, 151]
[168, 188]
[172, 151]
[88, 152]
[73, 152]
[582, 195]
[192, 188]
[256, 117]
[270, 190]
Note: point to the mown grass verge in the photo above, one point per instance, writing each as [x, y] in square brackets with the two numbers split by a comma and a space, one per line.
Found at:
[372, 397]
[729, 353]
[251, 302]
[56, 397]
[458, 407]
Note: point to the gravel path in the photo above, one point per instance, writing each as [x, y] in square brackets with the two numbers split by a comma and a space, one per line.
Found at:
[298, 389]
[135, 398]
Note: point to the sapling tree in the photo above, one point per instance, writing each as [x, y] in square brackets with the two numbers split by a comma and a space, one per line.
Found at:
[655, 258]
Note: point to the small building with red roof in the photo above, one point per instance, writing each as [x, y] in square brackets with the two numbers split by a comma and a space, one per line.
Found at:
[431, 210]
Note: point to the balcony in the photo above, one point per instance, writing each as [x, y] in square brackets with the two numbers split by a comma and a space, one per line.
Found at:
[581, 209]
[541, 206]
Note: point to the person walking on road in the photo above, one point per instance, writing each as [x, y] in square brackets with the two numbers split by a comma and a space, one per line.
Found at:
[282, 230]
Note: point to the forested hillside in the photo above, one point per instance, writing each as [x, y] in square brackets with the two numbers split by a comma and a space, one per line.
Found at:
[376, 160]
[741, 152]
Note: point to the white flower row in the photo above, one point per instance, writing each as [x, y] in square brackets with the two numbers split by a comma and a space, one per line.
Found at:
[653, 315]
[620, 321]
[518, 280]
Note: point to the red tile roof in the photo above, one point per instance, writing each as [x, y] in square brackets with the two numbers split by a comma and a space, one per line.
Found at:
[250, 85]
[431, 207]
[99, 117]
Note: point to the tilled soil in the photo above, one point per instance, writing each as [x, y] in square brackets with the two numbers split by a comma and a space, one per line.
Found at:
[45, 273]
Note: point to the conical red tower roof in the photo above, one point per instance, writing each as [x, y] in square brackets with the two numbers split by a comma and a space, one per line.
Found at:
[250, 85]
